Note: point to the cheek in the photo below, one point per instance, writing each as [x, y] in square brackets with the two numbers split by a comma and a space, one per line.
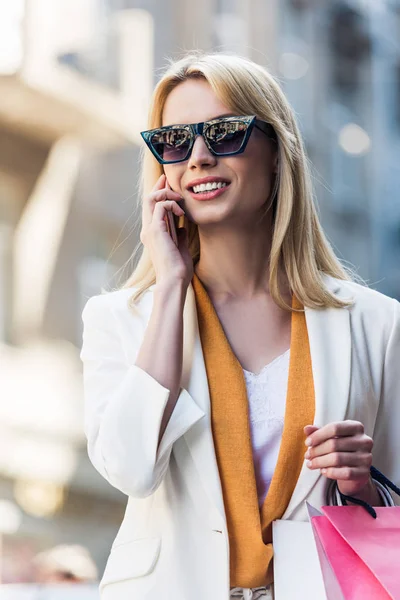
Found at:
[254, 175]
[260, 164]
[173, 177]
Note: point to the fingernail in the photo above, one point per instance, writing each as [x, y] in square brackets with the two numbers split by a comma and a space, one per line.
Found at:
[323, 471]
[308, 463]
[308, 453]
[308, 442]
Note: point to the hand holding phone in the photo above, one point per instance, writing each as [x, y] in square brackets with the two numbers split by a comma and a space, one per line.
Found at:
[171, 261]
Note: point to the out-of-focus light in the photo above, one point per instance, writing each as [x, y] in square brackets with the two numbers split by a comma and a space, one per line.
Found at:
[293, 66]
[11, 40]
[47, 399]
[10, 517]
[39, 498]
[32, 457]
[354, 139]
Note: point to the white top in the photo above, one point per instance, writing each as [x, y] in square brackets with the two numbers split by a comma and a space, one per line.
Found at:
[266, 393]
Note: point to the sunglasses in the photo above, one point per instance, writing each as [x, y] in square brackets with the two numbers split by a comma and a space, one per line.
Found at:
[225, 136]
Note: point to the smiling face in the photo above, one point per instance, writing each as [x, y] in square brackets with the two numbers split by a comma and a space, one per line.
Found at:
[250, 175]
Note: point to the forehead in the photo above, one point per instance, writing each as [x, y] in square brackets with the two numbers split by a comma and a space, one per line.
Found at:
[193, 101]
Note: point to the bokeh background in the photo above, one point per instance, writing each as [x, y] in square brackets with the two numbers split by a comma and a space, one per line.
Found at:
[75, 81]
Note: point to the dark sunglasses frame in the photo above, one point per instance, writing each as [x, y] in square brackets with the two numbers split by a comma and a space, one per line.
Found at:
[196, 129]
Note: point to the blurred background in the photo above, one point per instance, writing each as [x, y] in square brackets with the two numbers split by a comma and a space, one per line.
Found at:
[75, 81]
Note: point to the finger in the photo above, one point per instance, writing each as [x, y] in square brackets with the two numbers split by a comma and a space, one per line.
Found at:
[309, 429]
[339, 429]
[341, 459]
[159, 218]
[165, 194]
[148, 202]
[345, 473]
[358, 443]
[153, 199]
[160, 183]
[162, 207]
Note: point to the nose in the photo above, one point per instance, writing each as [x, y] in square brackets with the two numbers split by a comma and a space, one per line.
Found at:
[201, 156]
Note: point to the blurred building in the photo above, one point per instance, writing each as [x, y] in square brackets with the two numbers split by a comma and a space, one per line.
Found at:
[75, 82]
[340, 64]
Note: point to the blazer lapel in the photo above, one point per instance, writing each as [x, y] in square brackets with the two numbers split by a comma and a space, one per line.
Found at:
[330, 346]
[199, 438]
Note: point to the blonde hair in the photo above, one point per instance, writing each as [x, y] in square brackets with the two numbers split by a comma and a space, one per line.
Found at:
[299, 244]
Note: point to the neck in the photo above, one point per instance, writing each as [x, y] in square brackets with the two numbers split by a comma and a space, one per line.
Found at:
[234, 261]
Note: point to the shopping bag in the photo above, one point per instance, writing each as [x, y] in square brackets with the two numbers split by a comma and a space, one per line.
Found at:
[359, 555]
[297, 573]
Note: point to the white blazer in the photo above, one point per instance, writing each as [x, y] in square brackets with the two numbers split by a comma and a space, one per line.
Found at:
[173, 541]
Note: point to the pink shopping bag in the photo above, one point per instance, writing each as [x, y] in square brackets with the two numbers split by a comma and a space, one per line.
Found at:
[359, 555]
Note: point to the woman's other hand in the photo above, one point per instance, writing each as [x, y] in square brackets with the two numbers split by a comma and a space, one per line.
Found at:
[171, 263]
[342, 451]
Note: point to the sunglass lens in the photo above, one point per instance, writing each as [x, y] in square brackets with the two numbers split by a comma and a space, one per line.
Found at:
[171, 145]
[226, 137]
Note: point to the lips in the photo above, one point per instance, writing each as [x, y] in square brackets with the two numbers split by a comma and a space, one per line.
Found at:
[205, 180]
[210, 194]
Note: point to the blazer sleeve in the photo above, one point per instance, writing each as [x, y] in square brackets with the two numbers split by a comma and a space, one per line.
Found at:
[124, 406]
[386, 451]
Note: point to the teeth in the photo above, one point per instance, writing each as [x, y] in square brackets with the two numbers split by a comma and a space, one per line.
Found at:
[206, 187]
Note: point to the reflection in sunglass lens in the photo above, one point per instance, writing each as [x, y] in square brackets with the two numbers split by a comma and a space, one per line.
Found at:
[226, 137]
[172, 144]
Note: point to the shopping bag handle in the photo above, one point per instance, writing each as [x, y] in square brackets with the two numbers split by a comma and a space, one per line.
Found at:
[381, 478]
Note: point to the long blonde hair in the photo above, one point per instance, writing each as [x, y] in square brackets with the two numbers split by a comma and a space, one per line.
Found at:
[299, 244]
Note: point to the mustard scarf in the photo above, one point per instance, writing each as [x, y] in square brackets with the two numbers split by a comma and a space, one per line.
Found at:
[249, 528]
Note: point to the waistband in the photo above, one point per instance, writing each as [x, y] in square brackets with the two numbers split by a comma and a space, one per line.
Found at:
[259, 593]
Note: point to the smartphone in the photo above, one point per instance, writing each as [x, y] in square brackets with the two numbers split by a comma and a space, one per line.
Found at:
[172, 225]
[173, 222]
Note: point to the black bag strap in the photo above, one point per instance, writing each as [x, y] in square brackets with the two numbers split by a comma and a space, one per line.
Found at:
[381, 478]
[378, 476]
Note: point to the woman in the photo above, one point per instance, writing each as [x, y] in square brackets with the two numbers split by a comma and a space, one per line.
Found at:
[241, 371]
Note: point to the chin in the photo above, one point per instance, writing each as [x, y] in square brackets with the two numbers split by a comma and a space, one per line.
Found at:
[209, 220]
[209, 215]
